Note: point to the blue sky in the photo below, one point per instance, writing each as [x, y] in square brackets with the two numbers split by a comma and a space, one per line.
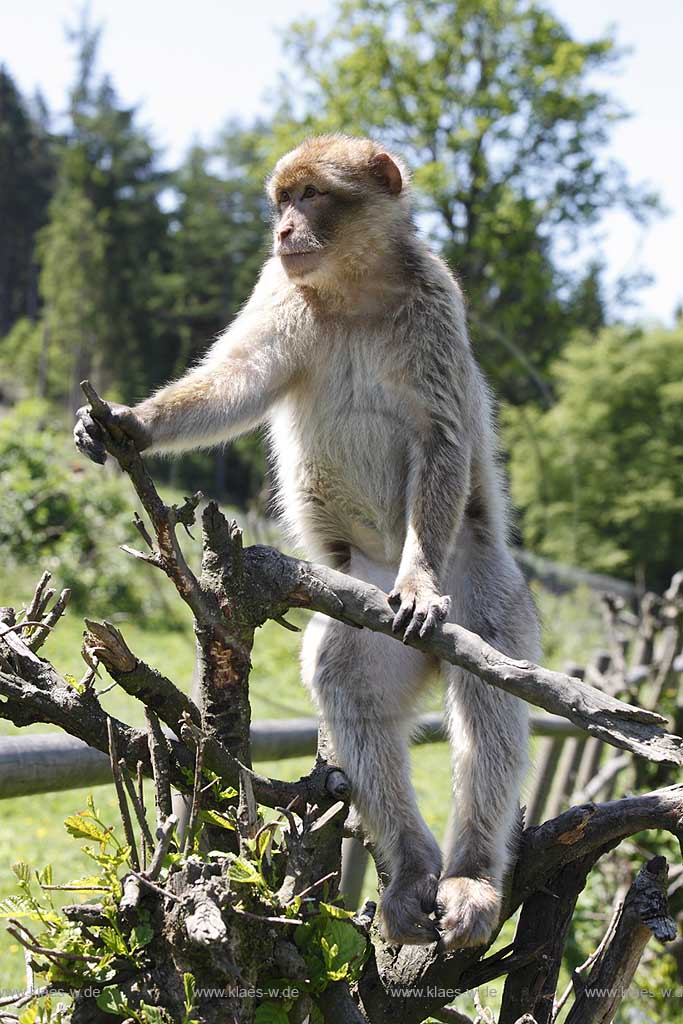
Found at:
[192, 66]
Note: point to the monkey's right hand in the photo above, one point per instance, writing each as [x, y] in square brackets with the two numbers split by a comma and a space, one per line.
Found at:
[88, 434]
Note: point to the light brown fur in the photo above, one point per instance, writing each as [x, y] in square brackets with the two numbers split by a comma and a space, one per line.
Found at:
[353, 348]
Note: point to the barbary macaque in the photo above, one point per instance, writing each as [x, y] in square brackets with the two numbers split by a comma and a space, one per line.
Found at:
[353, 349]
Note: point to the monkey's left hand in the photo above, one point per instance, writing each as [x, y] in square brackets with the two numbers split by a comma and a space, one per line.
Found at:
[418, 605]
[88, 436]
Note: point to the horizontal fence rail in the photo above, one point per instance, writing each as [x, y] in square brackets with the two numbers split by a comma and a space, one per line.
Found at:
[53, 762]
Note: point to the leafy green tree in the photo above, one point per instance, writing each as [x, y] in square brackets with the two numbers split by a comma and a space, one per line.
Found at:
[26, 180]
[493, 104]
[598, 476]
[218, 241]
[60, 513]
[73, 284]
[111, 161]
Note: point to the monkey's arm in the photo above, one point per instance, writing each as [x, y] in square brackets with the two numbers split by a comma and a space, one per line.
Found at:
[229, 392]
[438, 486]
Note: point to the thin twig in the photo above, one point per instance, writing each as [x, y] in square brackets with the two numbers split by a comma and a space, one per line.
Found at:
[143, 531]
[51, 954]
[141, 555]
[590, 960]
[121, 796]
[20, 625]
[138, 807]
[156, 888]
[282, 621]
[165, 834]
[267, 920]
[40, 598]
[196, 793]
[106, 689]
[141, 797]
[36, 641]
[25, 997]
[314, 885]
[77, 888]
[158, 752]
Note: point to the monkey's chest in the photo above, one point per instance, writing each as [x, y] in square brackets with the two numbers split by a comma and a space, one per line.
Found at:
[342, 452]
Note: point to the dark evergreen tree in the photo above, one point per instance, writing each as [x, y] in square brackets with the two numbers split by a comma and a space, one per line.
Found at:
[219, 239]
[26, 181]
[110, 160]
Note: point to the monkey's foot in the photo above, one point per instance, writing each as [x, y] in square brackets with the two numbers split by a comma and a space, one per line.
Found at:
[406, 905]
[467, 912]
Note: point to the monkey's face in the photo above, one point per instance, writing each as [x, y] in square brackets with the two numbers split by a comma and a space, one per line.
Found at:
[336, 203]
[303, 227]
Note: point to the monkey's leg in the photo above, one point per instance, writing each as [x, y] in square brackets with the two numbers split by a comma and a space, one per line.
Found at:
[489, 739]
[367, 687]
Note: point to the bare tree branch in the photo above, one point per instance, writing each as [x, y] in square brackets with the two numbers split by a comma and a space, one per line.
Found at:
[105, 642]
[644, 914]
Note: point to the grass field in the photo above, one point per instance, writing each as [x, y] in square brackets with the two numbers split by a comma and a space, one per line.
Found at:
[31, 827]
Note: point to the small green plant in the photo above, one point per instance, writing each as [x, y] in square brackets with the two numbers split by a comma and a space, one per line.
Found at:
[113, 1000]
[65, 953]
[68, 955]
[52, 514]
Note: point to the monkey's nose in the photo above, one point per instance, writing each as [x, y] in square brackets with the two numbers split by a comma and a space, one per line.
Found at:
[284, 233]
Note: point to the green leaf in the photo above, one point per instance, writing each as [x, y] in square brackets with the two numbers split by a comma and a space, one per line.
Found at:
[141, 936]
[214, 818]
[17, 906]
[76, 683]
[190, 986]
[343, 946]
[45, 876]
[84, 828]
[112, 1000]
[264, 841]
[244, 872]
[153, 1014]
[22, 870]
[113, 941]
[338, 912]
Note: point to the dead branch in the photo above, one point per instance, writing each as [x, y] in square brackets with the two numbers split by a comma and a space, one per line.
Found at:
[590, 960]
[575, 840]
[35, 692]
[147, 840]
[293, 583]
[164, 838]
[50, 620]
[644, 914]
[161, 769]
[196, 794]
[121, 796]
[105, 642]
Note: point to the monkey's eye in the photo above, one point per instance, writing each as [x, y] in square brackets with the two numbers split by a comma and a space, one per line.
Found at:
[309, 192]
[283, 198]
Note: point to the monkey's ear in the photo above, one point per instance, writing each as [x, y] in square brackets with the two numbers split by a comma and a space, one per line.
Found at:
[387, 173]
